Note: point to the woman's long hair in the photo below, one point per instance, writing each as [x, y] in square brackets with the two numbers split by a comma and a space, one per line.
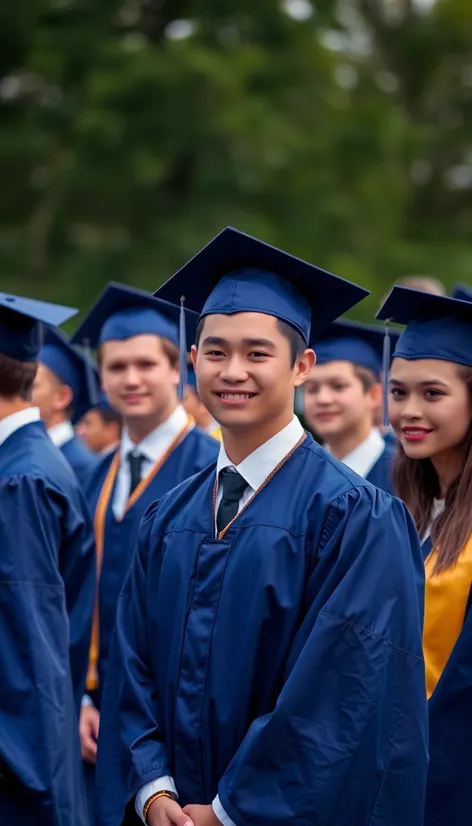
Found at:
[417, 483]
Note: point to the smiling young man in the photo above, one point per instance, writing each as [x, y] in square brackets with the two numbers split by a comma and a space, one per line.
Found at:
[62, 392]
[47, 575]
[264, 670]
[137, 337]
[342, 396]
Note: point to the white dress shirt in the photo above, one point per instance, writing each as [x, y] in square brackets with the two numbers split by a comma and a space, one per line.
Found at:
[152, 448]
[255, 469]
[14, 421]
[61, 433]
[363, 458]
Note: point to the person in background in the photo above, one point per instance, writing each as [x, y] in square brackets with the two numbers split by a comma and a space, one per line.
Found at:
[266, 665]
[342, 394]
[431, 411]
[100, 427]
[63, 393]
[424, 283]
[137, 341]
[194, 406]
[47, 570]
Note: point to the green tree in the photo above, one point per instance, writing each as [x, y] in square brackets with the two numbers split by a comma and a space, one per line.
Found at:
[132, 132]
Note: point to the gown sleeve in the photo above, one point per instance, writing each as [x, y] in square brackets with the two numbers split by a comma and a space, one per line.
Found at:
[346, 744]
[125, 752]
[39, 748]
[78, 569]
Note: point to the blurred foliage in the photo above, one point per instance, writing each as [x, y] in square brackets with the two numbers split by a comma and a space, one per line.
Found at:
[132, 131]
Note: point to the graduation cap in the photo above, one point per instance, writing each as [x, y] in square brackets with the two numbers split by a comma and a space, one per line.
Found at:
[236, 273]
[437, 327]
[361, 344]
[121, 312]
[462, 292]
[21, 325]
[73, 368]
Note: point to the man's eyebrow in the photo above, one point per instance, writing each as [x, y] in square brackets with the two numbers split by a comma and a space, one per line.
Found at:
[214, 340]
[259, 342]
[218, 341]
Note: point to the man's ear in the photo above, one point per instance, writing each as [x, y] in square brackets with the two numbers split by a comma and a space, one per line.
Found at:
[64, 397]
[303, 366]
[376, 395]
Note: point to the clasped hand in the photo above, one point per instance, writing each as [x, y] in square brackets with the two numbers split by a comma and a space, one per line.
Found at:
[167, 812]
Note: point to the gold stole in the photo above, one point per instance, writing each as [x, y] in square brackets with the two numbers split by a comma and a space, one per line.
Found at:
[446, 597]
[99, 522]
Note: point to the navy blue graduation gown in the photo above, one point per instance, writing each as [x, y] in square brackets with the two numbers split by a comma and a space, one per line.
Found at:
[47, 583]
[195, 452]
[29, 450]
[281, 666]
[82, 461]
[380, 474]
[449, 788]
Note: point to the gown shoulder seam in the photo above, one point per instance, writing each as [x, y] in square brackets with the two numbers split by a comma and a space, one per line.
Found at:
[345, 472]
[372, 633]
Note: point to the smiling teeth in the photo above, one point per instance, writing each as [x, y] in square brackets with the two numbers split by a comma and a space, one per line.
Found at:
[411, 432]
[236, 397]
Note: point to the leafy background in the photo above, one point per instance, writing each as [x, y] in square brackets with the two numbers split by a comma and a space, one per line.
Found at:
[132, 131]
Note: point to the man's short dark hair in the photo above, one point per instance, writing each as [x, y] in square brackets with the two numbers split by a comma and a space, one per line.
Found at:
[366, 377]
[295, 340]
[108, 415]
[16, 378]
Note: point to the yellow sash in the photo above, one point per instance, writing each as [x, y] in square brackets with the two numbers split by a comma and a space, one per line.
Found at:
[99, 521]
[446, 597]
[216, 434]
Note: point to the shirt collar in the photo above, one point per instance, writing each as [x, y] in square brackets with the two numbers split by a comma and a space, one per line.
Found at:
[256, 467]
[437, 508]
[362, 459]
[14, 421]
[158, 440]
[61, 433]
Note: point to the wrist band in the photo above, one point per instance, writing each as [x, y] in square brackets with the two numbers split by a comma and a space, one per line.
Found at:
[151, 800]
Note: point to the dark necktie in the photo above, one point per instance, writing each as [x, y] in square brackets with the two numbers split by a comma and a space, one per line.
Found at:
[135, 461]
[233, 486]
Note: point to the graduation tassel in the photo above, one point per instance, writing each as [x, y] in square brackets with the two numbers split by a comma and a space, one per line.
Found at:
[182, 351]
[91, 383]
[385, 372]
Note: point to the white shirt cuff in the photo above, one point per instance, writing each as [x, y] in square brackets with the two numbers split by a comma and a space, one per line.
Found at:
[161, 784]
[87, 701]
[221, 814]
